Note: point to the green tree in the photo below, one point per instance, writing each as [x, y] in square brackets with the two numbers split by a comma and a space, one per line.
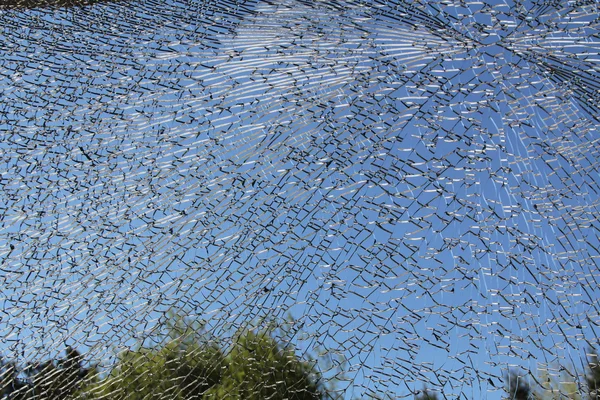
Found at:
[561, 386]
[164, 373]
[193, 365]
[518, 388]
[259, 368]
[184, 368]
[57, 380]
[50, 380]
[592, 376]
[11, 386]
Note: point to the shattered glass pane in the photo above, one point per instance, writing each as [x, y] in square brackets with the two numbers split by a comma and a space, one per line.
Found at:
[414, 184]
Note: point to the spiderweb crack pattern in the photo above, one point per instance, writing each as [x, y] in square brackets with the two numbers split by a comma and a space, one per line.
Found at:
[415, 182]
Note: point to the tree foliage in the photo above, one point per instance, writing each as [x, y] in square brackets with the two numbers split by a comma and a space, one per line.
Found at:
[260, 368]
[184, 368]
[191, 364]
[518, 388]
[155, 373]
[593, 375]
[49, 380]
[194, 365]
[566, 385]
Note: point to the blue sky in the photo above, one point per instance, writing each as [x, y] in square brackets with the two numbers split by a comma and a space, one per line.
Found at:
[425, 202]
